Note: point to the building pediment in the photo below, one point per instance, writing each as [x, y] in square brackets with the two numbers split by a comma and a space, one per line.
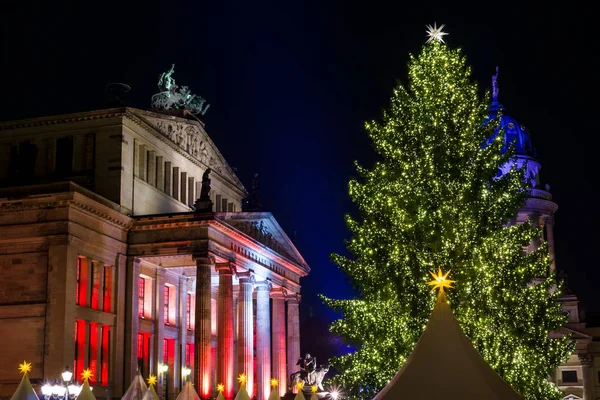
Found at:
[191, 138]
[262, 227]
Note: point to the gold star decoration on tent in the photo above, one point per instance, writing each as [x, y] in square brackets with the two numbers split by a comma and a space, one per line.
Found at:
[300, 385]
[440, 281]
[220, 388]
[242, 379]
[152, 380]
[25, 367]
[274, 382]
[313, 388]
[86, 374]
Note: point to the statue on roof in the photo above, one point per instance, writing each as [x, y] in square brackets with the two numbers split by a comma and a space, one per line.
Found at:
[174, 97]
[495, 89]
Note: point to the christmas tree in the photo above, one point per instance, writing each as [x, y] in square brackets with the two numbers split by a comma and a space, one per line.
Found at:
[435, 198]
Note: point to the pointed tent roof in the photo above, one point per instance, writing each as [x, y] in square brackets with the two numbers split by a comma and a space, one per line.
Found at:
[86, 392]
[242, 394]
[188, 392]
[445, 365]
[150, 394]
[136, 390]
[274, 395]
[24, 390]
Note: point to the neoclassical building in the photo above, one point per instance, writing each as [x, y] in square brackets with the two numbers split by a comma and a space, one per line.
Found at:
[105, 263]
[579, 377]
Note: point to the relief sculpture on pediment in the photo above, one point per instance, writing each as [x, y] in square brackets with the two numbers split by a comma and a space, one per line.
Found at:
[189, 138]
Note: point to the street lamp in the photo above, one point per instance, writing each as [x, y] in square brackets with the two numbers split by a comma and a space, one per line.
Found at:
[162, 370]
[185, 373]
[64, 391]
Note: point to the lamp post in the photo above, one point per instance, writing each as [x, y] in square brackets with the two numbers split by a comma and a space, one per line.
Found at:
[162, 370]
[64, 391]
[185, 373]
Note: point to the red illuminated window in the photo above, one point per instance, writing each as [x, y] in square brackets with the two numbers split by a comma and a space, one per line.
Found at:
[165, 350]
[107, 293]
[104, 355]
[188, 311]
[140, 346]
[75, 360]
[141, 291]
[166, 305]
[77, 283]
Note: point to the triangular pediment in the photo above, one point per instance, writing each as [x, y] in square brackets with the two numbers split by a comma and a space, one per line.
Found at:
[262, 227]
[190, 138]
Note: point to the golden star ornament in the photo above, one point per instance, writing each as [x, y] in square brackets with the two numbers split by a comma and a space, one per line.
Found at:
[25, 367]
[440, 280]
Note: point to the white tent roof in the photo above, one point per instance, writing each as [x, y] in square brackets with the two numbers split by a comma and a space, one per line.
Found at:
[188, 393]
[445, 365]
[136, 390]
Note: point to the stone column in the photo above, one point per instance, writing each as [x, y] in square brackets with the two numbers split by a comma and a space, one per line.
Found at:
[586, 361]
[183, 284]
[60, 315]
[279, 339]
[159, 324]
[202, 332]
[117, 350]
[246, 329]
[132, 319]
[225, 329]
[293, 333]
[263, 340]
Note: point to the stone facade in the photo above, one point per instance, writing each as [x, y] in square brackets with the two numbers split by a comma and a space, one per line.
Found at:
[104, 264]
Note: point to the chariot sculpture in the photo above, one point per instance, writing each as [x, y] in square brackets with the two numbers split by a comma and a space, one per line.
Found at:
[174, 97]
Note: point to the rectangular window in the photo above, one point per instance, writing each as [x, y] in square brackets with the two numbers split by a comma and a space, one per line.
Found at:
[77, 283]
[140, 346]
[165, 350]
[64, 155]
[569, 376]
[107, 293]
[104, 354]
[141, 291]
[166, 306]
[96, 276]
[75, 359]
[188, 311]
[93, 352]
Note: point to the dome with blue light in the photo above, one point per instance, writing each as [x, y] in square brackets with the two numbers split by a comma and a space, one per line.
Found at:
[514, 132]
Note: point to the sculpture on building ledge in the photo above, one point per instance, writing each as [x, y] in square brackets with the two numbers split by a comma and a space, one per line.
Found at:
[174, 97]
[204, 203]
[309, 373]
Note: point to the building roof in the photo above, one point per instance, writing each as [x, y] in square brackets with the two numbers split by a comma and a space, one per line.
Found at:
[445, 365]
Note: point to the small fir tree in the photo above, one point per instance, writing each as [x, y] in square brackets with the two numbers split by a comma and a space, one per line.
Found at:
[435, 199]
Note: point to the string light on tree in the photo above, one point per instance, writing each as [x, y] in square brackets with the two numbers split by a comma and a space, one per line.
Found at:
[433, 198]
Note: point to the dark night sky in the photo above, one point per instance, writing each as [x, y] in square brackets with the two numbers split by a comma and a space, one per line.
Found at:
[290, 85]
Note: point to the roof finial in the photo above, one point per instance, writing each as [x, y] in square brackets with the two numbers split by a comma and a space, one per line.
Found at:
[495, 89]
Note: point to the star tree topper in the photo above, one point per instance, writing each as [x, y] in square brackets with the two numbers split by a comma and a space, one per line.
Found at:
[152, 380]
[86, 374]
[440, 280]
[435, 33]
[25, 367]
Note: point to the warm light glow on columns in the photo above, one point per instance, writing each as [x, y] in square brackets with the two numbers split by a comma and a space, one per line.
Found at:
[279, 339]
[246, 329]
[225, 329]
[202, 332]
[293, 334]
[263, 340]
